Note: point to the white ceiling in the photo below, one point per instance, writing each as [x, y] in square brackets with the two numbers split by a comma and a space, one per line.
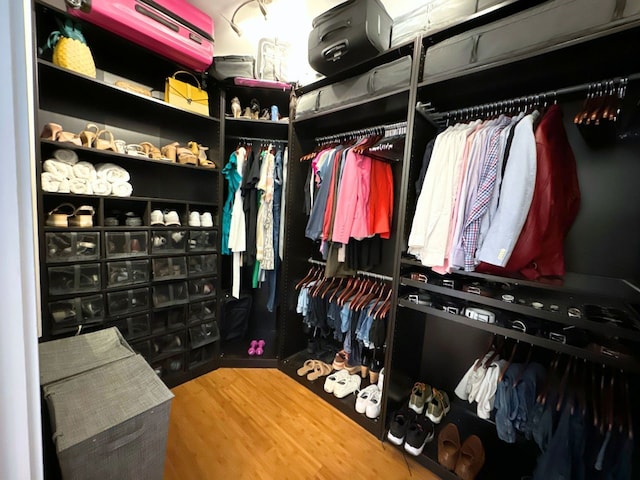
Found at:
[288, 21]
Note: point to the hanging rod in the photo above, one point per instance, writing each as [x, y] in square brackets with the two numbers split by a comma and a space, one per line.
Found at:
[361, 132]
[255, 139]
[358, 272]
[429, 113]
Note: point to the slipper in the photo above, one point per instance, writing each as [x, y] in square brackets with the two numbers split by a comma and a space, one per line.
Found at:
[307, 367]
[320, 369]
[59, 216]
[82, 217]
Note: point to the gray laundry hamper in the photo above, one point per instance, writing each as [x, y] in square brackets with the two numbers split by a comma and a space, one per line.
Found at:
[110, 422]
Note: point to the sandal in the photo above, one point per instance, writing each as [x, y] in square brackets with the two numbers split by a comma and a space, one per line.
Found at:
[201, 152]
[185, 156]
[135, 150]
[88, 135]
[320, 369]
[69, 137]
[50, 131]
[151, 150]
[58, 217]
[82, 217]
[102, 144]
[169, 151]
[306, 368]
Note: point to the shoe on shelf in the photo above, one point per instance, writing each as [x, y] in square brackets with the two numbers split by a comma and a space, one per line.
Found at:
[206, 220]
[132, 220]
[82, 217]
[449, 446]
[400, 422]
[320, 369]
[157, 218]
[381, 379]
[171, 218]
[194, 219]
[374, 405]
[340, 360]
[349, 385]
[420, 394]
[362, 399]
[438, 407]
[419, 433]
[59, 216]
[333, 379]
[471, 458]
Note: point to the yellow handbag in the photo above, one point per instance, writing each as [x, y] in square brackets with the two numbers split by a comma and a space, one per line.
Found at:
[186, 96]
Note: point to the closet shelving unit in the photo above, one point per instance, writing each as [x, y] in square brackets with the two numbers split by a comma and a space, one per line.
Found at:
[159, 302]
[235, 131]
[437, 346]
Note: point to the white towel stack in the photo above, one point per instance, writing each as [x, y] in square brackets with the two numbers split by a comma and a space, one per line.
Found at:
[65, 174]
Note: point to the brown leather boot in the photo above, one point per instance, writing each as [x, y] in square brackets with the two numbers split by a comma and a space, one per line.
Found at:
[471, 458]
[449, 446]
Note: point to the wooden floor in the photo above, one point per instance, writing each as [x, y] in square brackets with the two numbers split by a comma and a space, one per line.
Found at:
[259, 424]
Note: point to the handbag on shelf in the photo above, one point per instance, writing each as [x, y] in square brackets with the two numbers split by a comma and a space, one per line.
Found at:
[185, 95]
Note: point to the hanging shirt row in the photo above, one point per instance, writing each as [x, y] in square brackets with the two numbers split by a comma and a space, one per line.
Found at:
[251, 227]
[349, 200]
[497, 196]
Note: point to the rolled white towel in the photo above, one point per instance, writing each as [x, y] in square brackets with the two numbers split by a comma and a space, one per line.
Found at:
[50, 182]
[112, 173]
[100, 186]
[80, 186]
[121, 189]
[65, 155]
[84, 170]
[54, 166]
[64, 186]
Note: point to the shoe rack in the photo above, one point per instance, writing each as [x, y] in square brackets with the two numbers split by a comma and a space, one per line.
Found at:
[144, 264]
[436, 343]
[263, 324]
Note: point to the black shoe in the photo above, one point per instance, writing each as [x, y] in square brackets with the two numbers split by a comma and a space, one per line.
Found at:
[312, 345]
[419, 433]
[400, 424]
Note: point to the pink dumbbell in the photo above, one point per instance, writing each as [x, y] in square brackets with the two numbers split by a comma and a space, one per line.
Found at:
[259, 350]
[253, 348]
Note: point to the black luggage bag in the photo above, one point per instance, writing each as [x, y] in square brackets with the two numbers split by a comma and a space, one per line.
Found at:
[349, 33]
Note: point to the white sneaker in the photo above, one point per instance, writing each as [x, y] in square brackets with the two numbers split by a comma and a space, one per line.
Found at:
[381, 379]
[194, 219]
[363, 398]
[331, 380]
[206, 220]
[171, 218]
[347, 386]
[157, 218]
[373, 405]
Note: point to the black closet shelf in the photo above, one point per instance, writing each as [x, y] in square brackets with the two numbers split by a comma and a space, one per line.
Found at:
[346, 405]
[426, 461]
[163, 200]
[558, 317]
[281, 125]
[576, 283]
[79, 84]
[109, 156]
[630, 365]
[366, 102]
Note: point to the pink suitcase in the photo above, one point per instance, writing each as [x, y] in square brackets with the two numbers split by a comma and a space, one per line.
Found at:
[174, 29]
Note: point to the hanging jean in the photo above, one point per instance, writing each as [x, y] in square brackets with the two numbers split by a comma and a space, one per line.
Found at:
[272, 275]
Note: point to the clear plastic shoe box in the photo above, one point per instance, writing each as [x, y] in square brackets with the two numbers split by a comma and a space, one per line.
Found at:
[168, 241]
[202, 287]
[168, 319]
[204, 334]
[126, 244]
[202, 311]
[203, 240]
[128, 301]
[202, 264]
[77, 311]
[71, 279]
[167, 268]
[72, 246]
[170, 294]
[127, 272]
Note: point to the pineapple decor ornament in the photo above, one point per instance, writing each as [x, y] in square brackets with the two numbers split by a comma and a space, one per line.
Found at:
[70, 49]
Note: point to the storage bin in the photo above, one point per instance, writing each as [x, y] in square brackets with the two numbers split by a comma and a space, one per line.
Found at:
[204, 334]
[72, 246]
[202, 264]
[202, 287]
[201, 311]
[74, 279]
[168, 268]
[170, 294]
[168, 319]
[167, 344]
[133, 327]
[72, 355]
[110, 422]
[77, 311]
[127, 272]
[143, 348]
[203, 240]
[168, 241]
[202, 355]
[128, 301]
[129, 244]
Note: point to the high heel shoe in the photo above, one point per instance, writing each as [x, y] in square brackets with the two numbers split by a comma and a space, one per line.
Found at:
[88, 135]
[151, 150]
[50, 131]
[169, 151]
[201, 152]
[104, 144]
[185, 156]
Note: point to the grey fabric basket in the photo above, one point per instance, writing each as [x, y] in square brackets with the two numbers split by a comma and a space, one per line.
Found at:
[69, 356]
[111, 422]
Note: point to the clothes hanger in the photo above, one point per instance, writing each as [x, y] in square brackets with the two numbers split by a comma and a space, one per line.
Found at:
[517, 380]
[323, 294]
[563, 385]
[384, 306]
[380, 299]
[506, 366]
[310, 274]
[542, 396]
[369, 295]
[338, 292]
